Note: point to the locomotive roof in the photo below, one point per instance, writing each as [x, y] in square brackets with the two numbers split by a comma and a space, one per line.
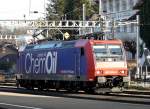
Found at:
[66, 44]
[106, 41]
[55, 44]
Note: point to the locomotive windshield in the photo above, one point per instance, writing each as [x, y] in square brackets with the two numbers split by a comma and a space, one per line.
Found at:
[115, 49]
[102, 51]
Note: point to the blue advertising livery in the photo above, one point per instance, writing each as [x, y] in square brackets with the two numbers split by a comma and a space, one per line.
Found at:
[52, 59]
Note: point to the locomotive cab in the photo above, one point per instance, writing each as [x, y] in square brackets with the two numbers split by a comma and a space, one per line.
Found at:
[110, 64]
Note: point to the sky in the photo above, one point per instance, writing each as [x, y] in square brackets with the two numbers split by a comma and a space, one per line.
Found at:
[17, 9]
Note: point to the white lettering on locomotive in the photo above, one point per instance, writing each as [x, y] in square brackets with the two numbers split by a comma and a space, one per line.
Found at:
[45, 62]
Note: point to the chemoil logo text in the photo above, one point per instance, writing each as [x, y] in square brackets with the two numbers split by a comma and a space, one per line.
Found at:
[41, 63]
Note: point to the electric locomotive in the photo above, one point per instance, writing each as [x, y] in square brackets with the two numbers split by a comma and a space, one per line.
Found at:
[89, 65]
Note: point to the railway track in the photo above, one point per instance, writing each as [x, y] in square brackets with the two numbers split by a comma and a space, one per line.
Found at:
[126, 94]
[129, 93]
[115, 97]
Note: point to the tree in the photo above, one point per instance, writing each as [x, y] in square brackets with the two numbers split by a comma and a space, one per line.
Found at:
[57, 9]
[145, 22]
[90, 8]
[131, 47]
[69, 10]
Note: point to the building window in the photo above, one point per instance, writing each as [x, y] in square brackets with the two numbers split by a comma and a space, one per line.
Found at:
[104, 6]
[117, 5]
[132, 28]
[124, 4]
[131, 3]
[110, 5]
[123, 28]
[118, 29]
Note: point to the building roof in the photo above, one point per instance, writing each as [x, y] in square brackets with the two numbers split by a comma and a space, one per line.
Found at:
[8, 45]
[139, 4]
[133, 16]
[9, 49]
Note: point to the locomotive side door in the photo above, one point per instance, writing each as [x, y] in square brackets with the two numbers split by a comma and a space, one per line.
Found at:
[77, 63]
[78, 57]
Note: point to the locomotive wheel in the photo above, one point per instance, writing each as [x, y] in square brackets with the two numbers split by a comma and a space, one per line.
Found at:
[89, 91]
[18, 84]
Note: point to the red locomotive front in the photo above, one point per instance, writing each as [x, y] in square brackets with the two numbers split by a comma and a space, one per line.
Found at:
[110, 63]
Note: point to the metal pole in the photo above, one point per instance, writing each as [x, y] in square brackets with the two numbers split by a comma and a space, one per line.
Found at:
[29, 7]
[137, 45]
[45, 17]
[141, 71]
[145, 76]
[113, 28]
[100, 7]
[101, 23]
[65, 17]
[47, 33]
[84, 12]
[44, 8]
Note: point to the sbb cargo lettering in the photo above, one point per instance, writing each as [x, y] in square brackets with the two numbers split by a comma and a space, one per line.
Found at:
[45, 63]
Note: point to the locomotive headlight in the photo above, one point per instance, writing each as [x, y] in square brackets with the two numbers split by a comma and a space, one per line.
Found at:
[109, 59]
[122, 71]
[101, 79]
[99, 72]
